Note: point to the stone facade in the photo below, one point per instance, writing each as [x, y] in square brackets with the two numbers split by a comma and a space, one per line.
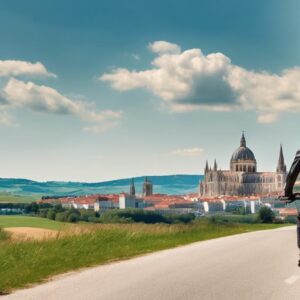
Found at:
[147, 187]
[242, 179]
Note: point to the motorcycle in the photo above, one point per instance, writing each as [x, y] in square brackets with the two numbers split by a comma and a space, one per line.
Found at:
[287, 200]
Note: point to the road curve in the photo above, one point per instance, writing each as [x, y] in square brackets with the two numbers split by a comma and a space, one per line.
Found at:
[256, 265]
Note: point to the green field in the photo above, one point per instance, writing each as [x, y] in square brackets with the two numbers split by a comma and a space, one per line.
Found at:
[26, 221]
[12, 198]
[27, 262]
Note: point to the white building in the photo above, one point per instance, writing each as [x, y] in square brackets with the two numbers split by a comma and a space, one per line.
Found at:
[78, 205]
[127, 201]
[103, 205]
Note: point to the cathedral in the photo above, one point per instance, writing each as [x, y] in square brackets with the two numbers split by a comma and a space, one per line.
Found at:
[242, 179]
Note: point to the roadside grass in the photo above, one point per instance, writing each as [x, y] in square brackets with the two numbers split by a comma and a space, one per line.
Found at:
[12, 198]
[27, 221]
[3, 235]
[27, 262]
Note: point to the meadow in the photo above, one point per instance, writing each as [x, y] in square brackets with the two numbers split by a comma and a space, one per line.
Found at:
[27, 221]
[32, 261]
[12, 198]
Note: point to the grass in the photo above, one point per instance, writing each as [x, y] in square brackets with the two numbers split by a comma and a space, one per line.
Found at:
[3, 235]
[23, 263]
[26, 221]
[12, 198]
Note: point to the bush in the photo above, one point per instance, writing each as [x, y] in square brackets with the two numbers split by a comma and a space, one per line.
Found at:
[291, 219]
[87, 215]
[61, 217]
[43, 212]
[32, 208]
[142, 216]
[225, 219]
[278, 221]
[266, 215]
[51, 214]
[185, 218]
[132, 215]
[238, 210]
[73, 218]
[58, 208]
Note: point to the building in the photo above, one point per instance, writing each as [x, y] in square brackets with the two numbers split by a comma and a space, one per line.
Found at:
[127, 201]
[103, 204]
[147, 187]
[132, 188]
[242, 179]
[85, 202]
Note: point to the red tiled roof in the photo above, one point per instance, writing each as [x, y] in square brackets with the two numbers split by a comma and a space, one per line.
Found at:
[88, 199]
[288, 211]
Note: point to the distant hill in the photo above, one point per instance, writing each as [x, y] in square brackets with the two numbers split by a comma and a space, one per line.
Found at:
[169, 184]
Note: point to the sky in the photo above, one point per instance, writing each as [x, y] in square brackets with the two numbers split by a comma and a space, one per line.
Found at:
[100, 90]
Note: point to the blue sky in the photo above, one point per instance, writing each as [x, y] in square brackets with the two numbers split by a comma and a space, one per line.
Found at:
[76, 116]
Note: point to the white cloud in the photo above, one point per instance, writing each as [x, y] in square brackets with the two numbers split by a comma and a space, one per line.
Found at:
[190, 80]
[161, 47]
[188, 152]
[101, 128]
[45, 99]
[267, 118]
[7, 120]
[18, 67]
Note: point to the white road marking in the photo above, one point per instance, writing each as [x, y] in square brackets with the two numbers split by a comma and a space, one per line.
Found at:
[292, 279]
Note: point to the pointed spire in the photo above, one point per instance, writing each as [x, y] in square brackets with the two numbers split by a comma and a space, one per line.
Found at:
[132, 188]
[281, 167]
[243, 140]
[215, 166]
[206, 167]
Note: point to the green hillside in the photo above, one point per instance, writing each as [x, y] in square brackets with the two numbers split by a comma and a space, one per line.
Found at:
[12, 198]
[23, 190]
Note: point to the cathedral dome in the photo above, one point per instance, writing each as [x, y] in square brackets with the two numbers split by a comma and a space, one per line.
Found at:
[243, 152]
[243, 159]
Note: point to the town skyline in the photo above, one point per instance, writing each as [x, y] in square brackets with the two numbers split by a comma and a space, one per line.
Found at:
[84, 98]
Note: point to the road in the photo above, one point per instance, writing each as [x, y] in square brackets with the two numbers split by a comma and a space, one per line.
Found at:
[257, 265]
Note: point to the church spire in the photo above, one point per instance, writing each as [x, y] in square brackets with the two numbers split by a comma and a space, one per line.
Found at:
[281, 167]
[132, 188]
[215, 166]
[243, 140]
[206, 167]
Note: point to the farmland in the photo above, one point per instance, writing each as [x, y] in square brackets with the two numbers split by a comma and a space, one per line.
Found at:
[30, 261]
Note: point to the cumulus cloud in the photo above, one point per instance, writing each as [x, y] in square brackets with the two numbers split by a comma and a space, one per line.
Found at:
[161, 47]
[189, 80]
[188, 152]
[19, 67]
[45, 99]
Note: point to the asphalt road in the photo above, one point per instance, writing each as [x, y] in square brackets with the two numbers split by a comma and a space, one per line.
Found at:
[257, 265]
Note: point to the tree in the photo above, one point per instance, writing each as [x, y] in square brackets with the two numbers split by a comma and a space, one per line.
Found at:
[43, 212]
[61, 217]
[73, 218]
[51, 214]
[266, 215]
